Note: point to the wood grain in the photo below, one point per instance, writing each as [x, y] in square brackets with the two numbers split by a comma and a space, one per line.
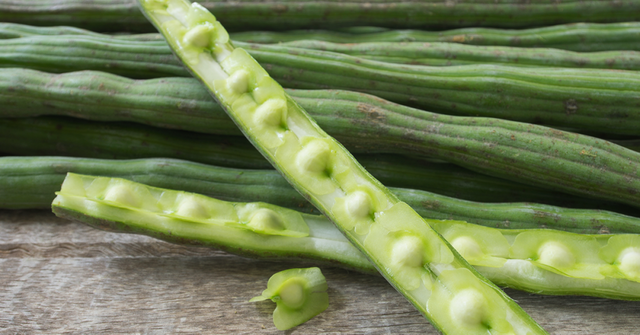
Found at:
[63, 277]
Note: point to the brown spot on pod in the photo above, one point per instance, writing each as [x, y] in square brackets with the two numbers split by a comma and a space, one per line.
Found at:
[570, 106]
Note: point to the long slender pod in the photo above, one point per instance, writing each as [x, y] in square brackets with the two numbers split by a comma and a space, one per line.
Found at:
[583, 37]
[413, 257]
[120, 15]
[588, 100]
[439, 178]
[17, 30]
[30, 182]
[540, 261]
[142, 56]
[61, 136]
[521, 152]
[451, 54]
[562, 97]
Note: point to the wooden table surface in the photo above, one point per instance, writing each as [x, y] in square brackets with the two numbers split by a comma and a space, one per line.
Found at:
[58, 276]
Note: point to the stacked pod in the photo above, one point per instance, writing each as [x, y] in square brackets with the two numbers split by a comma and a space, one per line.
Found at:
[123, 15]
[594, 100]
[521, 152]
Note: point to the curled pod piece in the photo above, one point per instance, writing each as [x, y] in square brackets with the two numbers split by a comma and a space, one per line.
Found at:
[299, 294]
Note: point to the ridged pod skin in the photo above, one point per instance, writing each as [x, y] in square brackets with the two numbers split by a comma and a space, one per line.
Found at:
[410, 255]
[122, 15]
[63, 136]
[16, 30]
[588, 100]
[66, 53]
[513, 258]
[452, 54]
[143, 56]
[521, 152]
[440, 178]
[593, 100]
[584, 37]
[30, 182]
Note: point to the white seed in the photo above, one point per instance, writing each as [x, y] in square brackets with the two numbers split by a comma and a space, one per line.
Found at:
[266, 219]
[271, 113]
[292, 293]
[199, 36]
[556, 255]
[238, 81]
[192, 209]
[408, 251]
[467, 247]
[359, 204]
[630, 261]
[314, 157]
[121, 194]
[468, 308]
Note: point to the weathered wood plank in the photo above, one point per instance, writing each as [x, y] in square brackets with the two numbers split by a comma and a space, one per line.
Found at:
[58, 277]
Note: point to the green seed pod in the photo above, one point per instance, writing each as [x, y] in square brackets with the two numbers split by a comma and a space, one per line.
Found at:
[540, 261]
[122, 15]
[452, 54]
[523, 153]
[569, 98]
[324, 171]
[584, 37]
[30, 182]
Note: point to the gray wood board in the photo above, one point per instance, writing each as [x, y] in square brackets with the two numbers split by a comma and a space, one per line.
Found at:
[58, 276]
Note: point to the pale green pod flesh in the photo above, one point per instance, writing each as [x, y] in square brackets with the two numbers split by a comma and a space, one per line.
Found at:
[406, 251]
[540, 261]
[300, 294]
[248, 229]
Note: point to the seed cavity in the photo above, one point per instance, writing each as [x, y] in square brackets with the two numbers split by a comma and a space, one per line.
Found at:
[199, 36]
[122, 194]
[408, 251]
[359, 204]
[468, 308]
[314, 157]
[238, 82]
[193, 209]
[271, 113]
[556, 255]
[179, 11]
[265, 219]
[467, 247]
[292, 293]
[198, 15]
[630, 261]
